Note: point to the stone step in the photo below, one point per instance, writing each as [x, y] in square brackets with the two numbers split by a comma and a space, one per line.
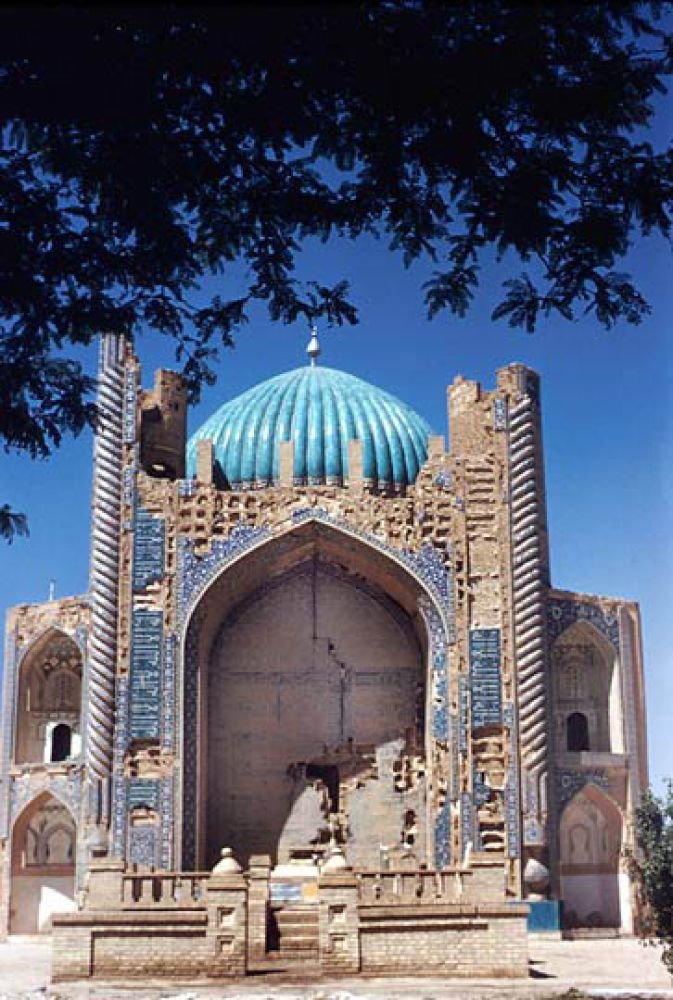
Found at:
[297, 920]
[296, 931]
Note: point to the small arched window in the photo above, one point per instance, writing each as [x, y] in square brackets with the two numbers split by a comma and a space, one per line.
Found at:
[61, 740]
[577, 732]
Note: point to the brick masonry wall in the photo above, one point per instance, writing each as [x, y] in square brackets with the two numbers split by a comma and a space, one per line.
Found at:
[456, 940]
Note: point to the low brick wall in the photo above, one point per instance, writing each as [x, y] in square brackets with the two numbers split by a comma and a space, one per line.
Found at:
[119, 936]
[128, 946]
[452, 939]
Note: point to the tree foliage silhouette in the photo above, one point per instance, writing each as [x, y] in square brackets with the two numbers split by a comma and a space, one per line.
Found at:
[146, 147]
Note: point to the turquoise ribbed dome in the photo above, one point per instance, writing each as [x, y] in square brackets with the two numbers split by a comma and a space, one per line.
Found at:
[320, 410]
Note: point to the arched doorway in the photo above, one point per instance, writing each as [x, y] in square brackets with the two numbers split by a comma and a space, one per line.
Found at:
[306, 675]
[591, 841]
[43, 865]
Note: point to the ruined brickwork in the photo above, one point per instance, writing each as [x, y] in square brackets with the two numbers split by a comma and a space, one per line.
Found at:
[282, 667]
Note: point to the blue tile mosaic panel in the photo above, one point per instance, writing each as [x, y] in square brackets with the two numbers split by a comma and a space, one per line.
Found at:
[145, 674]
[454, 729]
[143, 793]
[149, 543]
[485, 676]
[167, 810]
[189, 771]
[130, 407]
[464, 706]
[168, 693]
[569, 783]
[561, 614]
[143, 845]
[499, 414]
[443, 836]
[121, 742]
[512, 820]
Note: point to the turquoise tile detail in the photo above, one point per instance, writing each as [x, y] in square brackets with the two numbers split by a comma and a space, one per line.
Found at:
[320, 410]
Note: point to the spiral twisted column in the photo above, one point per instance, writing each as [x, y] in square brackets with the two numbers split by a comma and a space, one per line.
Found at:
[107, 480]
[530, 580]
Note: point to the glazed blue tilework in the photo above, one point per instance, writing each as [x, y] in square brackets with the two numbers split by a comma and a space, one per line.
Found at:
[440, 728]
[466, 821]
[149, 542]
[443, 836]
[499, 414]
[481, 792]
[440, 674]
[320, 410]
[187, 487]
[569, 783]
[145, 682]
[194, 571]
[128, 485]
[168, 693]
[167, 811]
[512, 785]
[530, 794]
[532, 831]
[454, 729]
[189, 748]
[143, 793]
[464, 706]
[66, 787]
[130, 407]
[120, 744]
[144, 845]
[561, 614]
[485, 676]
[444, 480]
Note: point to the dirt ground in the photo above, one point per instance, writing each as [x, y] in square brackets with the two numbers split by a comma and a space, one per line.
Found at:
[621, 968]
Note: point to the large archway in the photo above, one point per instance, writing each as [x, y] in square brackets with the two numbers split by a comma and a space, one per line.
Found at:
[306, 704]
[42, 865]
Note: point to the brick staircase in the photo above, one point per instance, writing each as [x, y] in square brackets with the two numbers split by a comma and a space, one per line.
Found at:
[293, 931]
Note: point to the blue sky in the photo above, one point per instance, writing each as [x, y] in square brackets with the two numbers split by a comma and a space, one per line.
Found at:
[607, 417]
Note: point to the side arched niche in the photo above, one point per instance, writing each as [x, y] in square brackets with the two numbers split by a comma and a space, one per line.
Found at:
[306, 705]
[42, 865]
[49, 701]
[587, 692]
[591, 832]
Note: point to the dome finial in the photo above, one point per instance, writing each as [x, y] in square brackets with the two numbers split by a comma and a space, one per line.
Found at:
[313, 349]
